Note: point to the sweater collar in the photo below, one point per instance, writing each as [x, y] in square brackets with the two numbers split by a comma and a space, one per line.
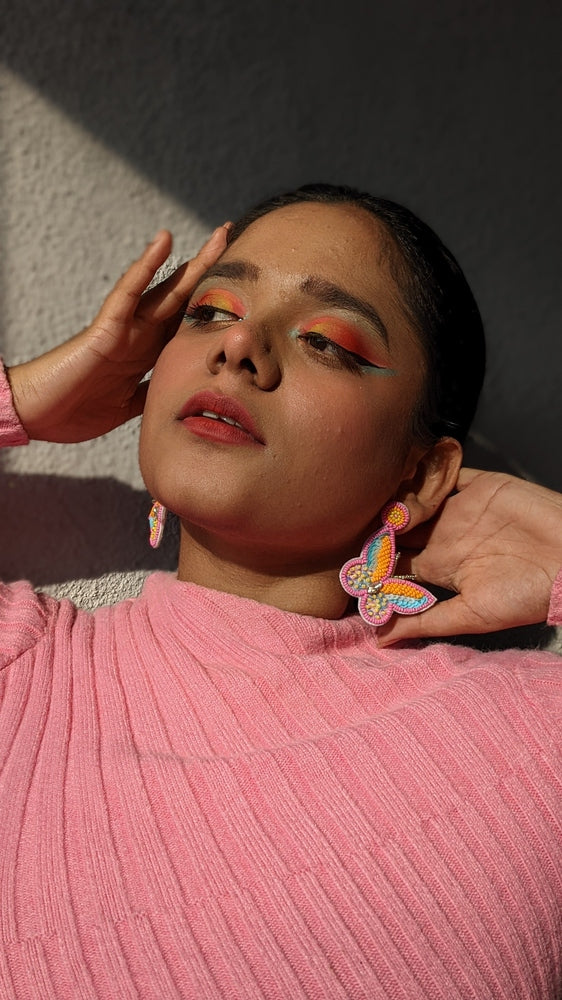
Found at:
[187, 608]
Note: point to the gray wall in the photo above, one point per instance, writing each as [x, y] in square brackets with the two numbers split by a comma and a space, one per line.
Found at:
[119, 118]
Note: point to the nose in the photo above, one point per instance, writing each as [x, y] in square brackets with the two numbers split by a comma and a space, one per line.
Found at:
[247, 349]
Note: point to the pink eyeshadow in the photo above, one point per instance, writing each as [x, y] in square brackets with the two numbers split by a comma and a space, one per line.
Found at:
[220, 298]
[344, 335]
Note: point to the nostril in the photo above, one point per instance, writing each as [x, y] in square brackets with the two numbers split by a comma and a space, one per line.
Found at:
[248, 365]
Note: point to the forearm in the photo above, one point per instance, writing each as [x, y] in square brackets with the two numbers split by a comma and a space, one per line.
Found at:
[95, 381]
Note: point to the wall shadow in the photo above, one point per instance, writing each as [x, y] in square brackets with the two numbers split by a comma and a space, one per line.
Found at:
[446, 107]
[57, 529]
[218, 103]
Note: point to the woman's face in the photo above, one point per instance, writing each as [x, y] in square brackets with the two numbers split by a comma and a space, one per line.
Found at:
[298, 335]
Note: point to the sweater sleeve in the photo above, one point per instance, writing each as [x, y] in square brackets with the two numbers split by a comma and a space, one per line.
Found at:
[23, 619]
[12, 431]
[555, 609]
[22, 612]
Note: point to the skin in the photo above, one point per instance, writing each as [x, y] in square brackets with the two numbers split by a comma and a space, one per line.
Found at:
[496, 541]
[92, 383]
[276, 521]
[501, 565]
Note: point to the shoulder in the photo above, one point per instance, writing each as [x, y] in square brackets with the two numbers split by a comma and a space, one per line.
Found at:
[32, 619]
[540, 677]
[24, 618]
[514, 690]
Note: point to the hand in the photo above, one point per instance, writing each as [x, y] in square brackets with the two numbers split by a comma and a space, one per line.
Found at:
[498, 544]
[92, 383]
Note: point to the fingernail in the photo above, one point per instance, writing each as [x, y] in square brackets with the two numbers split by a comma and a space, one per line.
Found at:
[216, 232]
[155, 238]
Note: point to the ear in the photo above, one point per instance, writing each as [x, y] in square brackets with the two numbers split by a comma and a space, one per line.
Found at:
[434, 479]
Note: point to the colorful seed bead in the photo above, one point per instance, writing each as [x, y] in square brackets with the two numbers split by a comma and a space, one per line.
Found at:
[395, 515]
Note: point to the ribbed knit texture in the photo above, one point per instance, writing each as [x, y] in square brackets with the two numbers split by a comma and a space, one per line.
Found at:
[11, 430]
[204, 797]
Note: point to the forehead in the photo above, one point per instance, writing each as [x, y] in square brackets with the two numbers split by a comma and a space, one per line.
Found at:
[337, 238]
[341, 243]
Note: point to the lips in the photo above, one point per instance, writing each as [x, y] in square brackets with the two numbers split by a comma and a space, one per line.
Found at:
[212, 415]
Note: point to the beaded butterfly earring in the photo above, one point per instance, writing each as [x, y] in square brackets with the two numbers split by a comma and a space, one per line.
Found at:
[370, 579]
[156, 521]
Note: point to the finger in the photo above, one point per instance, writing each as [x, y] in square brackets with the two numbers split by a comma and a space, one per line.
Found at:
[452, 617]
[136, 404]
[427, 569]
[405, 563]
[121, 303]
[467, 476]
[416, 538]
[163, 301]
[132, 407]
[419, 536]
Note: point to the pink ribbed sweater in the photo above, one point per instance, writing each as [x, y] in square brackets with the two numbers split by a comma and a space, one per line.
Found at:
[204, 797]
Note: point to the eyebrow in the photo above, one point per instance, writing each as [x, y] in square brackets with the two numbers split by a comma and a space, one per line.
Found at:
[333, 295]
[238, 270]
[316, 287]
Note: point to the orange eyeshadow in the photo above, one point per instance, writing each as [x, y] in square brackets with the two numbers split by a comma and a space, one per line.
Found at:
[345, 336]
[221, 298]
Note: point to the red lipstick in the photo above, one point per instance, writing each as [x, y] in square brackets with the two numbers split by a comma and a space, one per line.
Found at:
[219, 418]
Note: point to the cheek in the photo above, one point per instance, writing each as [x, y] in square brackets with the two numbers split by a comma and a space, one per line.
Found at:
[170, 381]
[174, 362]
[349, 449]
[161, 400]
[356, 424]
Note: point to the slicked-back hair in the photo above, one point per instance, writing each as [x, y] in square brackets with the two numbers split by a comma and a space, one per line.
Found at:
[436, 297]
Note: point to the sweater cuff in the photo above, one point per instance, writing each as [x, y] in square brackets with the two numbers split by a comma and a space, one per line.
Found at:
[555, 609]
[12, 431]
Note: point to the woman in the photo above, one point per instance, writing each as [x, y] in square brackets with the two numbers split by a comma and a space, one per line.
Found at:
[229, 787]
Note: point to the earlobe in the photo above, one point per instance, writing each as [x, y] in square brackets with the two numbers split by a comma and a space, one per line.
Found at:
[434, 479]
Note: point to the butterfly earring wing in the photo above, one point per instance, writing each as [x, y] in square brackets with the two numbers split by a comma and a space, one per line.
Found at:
[394, 596]
[375, 563]
[370, 579]
[156, 523]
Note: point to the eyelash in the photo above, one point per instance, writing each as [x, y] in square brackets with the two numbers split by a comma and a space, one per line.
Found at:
[338, 355]
[203, 315]
[198, 315]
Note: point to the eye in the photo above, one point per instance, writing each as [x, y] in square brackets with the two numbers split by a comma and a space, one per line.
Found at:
[335, 355]
[203, 313]
[214, 305]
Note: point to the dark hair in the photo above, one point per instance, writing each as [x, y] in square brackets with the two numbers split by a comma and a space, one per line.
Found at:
[437, 299]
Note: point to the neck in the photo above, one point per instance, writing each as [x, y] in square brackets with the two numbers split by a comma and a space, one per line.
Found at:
[312, 591]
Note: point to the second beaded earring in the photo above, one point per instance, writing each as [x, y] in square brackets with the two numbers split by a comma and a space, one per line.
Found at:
[370, 577]
[156, 521]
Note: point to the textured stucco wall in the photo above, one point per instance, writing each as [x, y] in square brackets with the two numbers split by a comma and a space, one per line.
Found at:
[120, 118]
